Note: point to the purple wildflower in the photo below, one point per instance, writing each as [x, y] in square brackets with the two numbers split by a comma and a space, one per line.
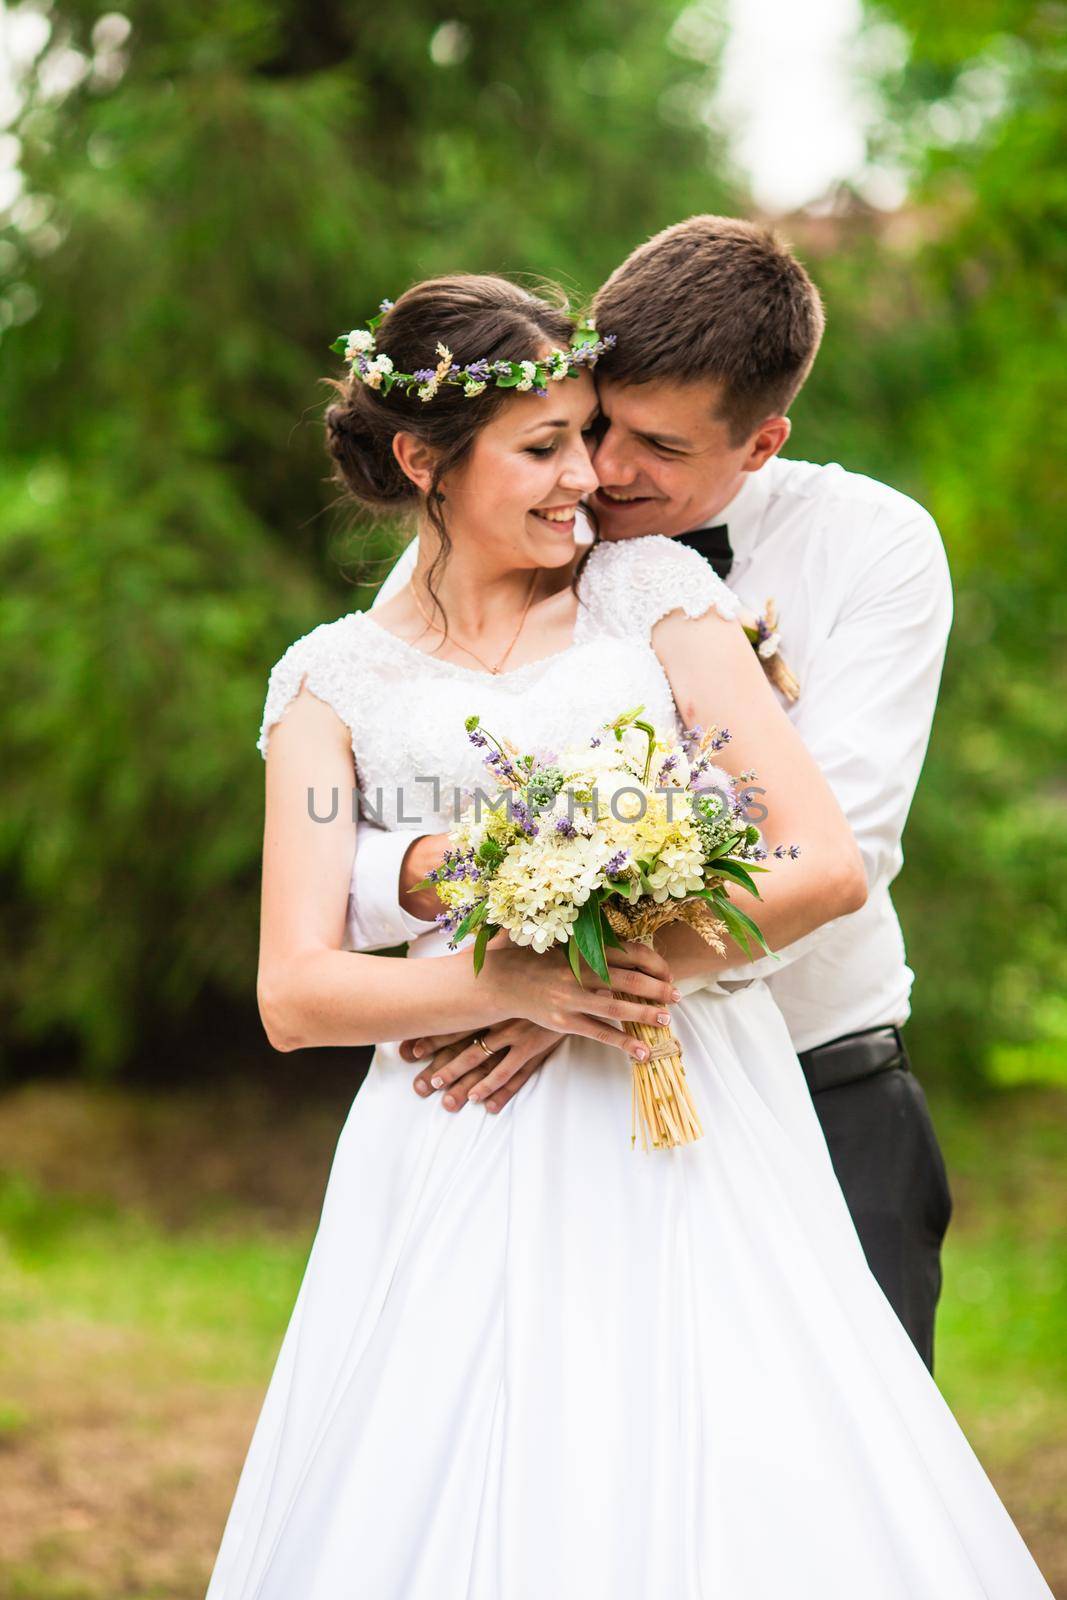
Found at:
[520, 813]
[617, 864]
[501, 764]
[566, 827]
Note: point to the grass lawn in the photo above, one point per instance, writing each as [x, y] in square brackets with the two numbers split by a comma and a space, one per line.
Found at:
[151, 1248]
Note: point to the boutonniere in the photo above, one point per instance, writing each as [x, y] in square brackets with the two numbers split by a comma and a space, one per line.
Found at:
[763, 632]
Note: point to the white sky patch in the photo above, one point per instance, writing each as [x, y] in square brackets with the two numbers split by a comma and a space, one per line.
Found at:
[793, 98]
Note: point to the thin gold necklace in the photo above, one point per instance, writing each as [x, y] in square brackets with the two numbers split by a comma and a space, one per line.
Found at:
[500, 661]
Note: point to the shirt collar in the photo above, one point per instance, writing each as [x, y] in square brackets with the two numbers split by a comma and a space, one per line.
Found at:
[744, 514]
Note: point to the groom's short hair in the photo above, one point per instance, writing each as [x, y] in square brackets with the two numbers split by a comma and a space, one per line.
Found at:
[718, 298]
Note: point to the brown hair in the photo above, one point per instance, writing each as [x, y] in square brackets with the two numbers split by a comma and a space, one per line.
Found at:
[476, 316]
[718, 298]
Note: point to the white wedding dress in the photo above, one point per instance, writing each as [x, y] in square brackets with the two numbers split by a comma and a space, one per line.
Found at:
[529, 1361]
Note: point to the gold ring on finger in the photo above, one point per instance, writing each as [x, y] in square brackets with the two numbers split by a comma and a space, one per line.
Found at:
[479, 1040]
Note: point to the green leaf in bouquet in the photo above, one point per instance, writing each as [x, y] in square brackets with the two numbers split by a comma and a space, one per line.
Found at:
[424, 883]
[589, 936]
[727, 847]
[472, 920]
[739, 874]
[485, 933]
[575, 958]
[491, 852]
[740, 925]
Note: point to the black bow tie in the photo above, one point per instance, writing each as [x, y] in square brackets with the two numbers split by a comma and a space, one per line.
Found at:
[713, 544]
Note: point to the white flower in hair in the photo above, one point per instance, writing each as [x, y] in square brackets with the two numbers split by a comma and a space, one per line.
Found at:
[529, 374]
[360, 340]
[376, 371]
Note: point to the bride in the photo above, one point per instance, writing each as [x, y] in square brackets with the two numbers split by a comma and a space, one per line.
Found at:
[528, 1361]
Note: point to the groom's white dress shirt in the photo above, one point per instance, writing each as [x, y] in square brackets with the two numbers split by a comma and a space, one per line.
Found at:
[862, 585]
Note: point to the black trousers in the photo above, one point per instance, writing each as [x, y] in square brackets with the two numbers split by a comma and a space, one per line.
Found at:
[889, 1164]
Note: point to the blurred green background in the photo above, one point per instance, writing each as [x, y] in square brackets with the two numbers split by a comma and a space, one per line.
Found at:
[198, 197]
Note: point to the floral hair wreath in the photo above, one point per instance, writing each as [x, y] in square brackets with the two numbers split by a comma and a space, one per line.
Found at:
[359, 349]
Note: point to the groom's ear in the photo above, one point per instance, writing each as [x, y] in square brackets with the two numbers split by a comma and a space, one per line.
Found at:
[766, 442]
[416, 459]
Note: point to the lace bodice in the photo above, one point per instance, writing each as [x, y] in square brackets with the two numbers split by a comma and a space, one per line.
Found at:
[405, 709]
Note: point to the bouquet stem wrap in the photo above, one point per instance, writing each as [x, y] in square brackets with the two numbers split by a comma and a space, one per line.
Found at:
[661, 1100]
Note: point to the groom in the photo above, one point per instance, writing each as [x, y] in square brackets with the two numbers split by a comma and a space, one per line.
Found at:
[717, 325]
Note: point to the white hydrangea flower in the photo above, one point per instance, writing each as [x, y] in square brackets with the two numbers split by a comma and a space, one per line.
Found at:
[678, 872]
[536, 892]
[529, 373]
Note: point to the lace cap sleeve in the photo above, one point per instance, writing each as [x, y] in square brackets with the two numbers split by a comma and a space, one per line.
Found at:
[631, 583]
[326, 660]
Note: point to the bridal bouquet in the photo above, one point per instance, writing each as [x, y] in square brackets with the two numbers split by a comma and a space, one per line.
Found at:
[600, 843]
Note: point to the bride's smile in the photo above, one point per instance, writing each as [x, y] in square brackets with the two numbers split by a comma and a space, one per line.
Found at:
[512, 504]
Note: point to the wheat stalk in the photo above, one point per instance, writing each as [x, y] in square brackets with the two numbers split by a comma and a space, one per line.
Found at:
[660, 1099]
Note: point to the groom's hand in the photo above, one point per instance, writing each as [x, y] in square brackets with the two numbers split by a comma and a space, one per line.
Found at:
[462, 1070]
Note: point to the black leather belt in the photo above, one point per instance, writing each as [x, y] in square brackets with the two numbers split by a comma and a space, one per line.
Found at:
[853, 1056]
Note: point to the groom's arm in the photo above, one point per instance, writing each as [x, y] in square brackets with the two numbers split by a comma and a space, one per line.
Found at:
[379, 915]
[868, 698]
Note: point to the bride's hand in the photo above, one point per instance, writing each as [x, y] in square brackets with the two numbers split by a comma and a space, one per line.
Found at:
[544, 989]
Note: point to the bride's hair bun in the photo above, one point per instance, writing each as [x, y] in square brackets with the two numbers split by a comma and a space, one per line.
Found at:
[362, 452]
[478, 317]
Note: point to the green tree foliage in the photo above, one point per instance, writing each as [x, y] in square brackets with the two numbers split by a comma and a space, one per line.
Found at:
[943, 372]
[206, 203]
